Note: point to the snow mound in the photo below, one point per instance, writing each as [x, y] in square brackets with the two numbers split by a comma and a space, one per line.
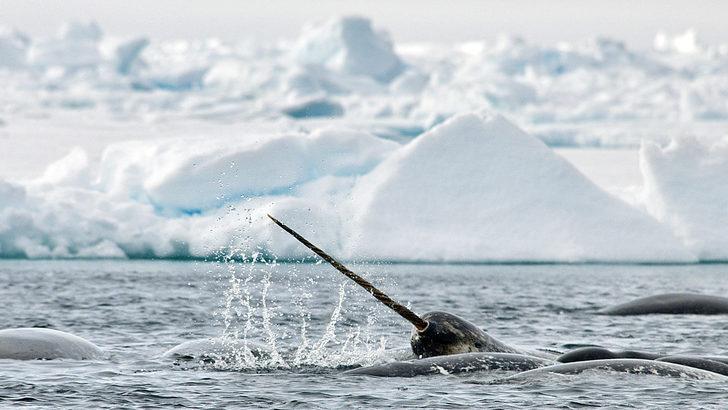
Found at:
[480, 189]
[349, 45]
[193, 174]
[686, 186]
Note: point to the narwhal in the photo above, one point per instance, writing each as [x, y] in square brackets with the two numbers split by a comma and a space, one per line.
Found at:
[438, 333]
[446, 343]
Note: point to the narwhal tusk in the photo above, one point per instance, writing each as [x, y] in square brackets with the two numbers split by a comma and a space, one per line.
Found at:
[419, 323]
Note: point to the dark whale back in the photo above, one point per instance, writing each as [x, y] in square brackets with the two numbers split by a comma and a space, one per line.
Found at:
[447, 334]
[671, 303]
[698, 362]
[599, 353]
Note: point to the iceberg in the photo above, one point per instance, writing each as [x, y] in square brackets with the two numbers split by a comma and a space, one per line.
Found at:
[480, 189]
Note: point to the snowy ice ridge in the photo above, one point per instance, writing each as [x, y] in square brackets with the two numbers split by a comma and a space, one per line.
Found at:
[374, 151]
[475, 188]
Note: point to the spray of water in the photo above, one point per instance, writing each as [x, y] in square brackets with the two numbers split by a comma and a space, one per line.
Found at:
[267, 312]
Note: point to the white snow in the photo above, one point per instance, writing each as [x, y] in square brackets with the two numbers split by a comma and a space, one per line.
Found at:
[686, 186]
[178, 197]
[193, 174]
[481, 189]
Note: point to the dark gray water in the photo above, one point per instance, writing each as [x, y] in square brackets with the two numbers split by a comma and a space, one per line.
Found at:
[319, 325]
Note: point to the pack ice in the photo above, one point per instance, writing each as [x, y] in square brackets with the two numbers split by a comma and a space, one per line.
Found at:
[592, 92]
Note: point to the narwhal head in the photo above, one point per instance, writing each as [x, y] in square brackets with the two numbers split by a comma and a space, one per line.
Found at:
[434, 333]
[447, 334]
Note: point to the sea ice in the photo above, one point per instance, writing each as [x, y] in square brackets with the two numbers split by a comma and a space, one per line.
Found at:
[174, 182]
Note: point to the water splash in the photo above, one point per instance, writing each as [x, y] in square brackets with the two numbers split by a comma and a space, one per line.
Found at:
[267, 317]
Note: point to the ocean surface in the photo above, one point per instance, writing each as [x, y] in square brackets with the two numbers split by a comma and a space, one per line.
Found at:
[316, 325]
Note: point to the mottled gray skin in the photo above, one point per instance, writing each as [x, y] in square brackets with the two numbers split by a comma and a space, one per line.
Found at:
[453, 364]
[45, 344]
[599, 353]
[671, 303]
[715, 364]
[698, 362]
[632, 366]
[447, 334]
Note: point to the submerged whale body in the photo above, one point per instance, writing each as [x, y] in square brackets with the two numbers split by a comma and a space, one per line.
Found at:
[45, 344]
[631, 366]
[671, 303]
[453, 364]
